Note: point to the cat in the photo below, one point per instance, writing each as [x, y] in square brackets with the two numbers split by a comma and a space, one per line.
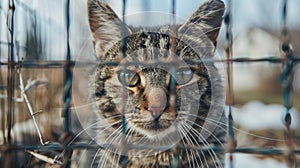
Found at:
[157, 100]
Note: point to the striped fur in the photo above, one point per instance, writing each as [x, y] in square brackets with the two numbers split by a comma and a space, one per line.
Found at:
[154, 116]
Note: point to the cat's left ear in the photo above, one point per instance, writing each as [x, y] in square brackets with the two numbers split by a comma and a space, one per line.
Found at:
[105, 27]
[208, 18]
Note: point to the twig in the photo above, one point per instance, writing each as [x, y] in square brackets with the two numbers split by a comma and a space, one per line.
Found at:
[35, 83]
[44, 158]
[24, 96]
[29, 86]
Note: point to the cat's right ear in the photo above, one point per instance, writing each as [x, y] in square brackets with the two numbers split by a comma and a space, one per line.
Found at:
[207, 19]
[105, 26]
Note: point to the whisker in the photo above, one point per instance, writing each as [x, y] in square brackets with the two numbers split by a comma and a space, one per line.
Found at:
[217, 122]
[84, 130]
[115, 137]
[211, 152]
[94, 158]
[184, 144]
[192, 144]
[89, 127]
[212, 133]
[197, 152]
[190, 160]
[234, 127]
[128, 135]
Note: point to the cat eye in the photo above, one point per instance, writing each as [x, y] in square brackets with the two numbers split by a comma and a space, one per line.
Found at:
[183, 76]
[128, 78]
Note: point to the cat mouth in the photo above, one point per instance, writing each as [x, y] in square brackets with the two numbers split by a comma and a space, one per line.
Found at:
[153, 126]
[156, 125]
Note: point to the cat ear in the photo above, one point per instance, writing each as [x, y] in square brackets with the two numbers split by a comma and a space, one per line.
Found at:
[105, 26]
[207, 18]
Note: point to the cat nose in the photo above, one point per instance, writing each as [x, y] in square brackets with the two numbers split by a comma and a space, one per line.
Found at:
[157, 102]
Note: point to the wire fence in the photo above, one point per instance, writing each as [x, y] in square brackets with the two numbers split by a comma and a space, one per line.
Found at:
[289, 60]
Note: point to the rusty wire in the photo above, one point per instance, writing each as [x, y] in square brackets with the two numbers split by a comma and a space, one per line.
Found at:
[229, 91]
[286, 78]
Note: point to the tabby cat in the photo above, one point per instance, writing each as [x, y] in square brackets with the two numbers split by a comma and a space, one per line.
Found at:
[157, 102]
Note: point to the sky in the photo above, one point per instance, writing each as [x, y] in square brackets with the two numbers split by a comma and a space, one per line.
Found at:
[245, 12]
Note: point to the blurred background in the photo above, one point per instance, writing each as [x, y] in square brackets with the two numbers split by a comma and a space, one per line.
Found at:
[40, 34]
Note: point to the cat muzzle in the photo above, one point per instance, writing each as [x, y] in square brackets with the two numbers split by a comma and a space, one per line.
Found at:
[157, 102]
[156, 112]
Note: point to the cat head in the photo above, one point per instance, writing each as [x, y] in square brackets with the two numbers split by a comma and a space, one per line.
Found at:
[154, 85]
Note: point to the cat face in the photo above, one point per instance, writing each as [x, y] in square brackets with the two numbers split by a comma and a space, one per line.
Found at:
[160, 83]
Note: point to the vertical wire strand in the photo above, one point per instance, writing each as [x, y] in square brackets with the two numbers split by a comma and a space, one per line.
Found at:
[286, 78]
[68, 75]
[124, 158]
[173, 36]
[176, 159]
[230, 98]
[10, 84]
[11, 81]
[2, 102]
[67, 93]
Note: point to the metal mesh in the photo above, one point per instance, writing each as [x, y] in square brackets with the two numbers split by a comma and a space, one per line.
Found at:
[289, 60]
